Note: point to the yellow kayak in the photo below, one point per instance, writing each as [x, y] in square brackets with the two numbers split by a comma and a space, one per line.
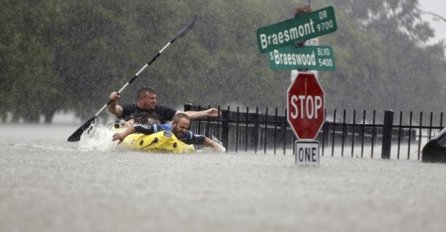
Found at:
[163, 141]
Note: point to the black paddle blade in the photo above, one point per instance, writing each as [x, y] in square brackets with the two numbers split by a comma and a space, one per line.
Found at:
[76, 136]
[186, 28]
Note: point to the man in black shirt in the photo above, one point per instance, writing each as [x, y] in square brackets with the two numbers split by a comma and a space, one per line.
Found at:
[146, 105]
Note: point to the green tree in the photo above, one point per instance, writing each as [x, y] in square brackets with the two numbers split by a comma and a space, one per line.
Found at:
[29, 84]
[382, 63]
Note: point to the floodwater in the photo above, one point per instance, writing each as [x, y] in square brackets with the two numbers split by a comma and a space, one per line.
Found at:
[47, 184]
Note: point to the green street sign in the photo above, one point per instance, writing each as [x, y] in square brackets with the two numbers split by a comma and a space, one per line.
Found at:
[301, 28]
[309, 57]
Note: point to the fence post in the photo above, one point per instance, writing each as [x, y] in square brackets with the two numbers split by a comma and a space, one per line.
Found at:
[387, 134]
[255, 133]
[225, 129]
[188, 107]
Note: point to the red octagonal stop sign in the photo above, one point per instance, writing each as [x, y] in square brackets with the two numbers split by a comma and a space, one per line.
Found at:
[306, 109]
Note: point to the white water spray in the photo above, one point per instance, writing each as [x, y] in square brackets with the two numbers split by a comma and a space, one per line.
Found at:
[97, 138]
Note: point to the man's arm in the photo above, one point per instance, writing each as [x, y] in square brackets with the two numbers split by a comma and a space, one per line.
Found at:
[121, 135]
[114, 107]
[212, 112]
[191, 138]
[137, 128]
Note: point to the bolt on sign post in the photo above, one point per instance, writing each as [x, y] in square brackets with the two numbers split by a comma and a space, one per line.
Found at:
[306, 115]
[301, 28]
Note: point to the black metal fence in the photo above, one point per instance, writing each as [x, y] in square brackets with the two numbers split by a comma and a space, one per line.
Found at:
[356, 134]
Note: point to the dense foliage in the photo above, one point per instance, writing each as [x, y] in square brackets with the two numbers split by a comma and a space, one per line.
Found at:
[69, 55]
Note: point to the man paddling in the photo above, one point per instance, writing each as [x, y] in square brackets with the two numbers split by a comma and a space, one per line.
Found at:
[146, 104]
[180, 128]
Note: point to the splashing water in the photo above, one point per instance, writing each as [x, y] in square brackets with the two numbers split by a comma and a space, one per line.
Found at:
[97, 138]
[219, 149]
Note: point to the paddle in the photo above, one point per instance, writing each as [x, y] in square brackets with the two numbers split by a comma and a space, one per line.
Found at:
[76, 136]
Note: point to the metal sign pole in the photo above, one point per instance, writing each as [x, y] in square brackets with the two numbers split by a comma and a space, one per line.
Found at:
[307, 2]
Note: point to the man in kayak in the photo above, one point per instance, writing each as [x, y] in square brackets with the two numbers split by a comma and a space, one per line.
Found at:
[180, 128]
[146, 104]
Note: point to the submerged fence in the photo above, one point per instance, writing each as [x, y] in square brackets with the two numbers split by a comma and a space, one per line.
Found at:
[364, 134]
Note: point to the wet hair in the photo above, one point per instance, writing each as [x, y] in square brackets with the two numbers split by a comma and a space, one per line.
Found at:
[143, 90]
[179, 116]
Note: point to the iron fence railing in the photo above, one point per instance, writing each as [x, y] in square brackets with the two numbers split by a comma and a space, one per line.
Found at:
[364, 134]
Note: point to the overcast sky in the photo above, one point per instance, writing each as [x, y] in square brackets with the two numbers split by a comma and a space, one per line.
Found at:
[438, 7]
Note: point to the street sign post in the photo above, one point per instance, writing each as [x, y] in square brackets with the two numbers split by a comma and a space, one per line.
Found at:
[294, 72]
[309, 57]
[306, 109]
[301, 28]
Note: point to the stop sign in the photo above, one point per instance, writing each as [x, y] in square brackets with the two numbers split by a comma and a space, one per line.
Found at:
[305, 102]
